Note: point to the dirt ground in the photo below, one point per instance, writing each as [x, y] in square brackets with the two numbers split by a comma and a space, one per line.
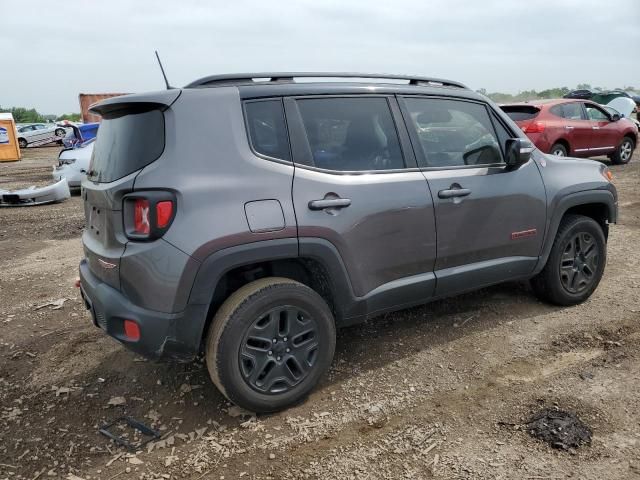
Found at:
[441, 391]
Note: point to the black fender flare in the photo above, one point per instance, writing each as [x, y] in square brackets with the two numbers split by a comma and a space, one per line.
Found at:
[217, 264]
[603, 197]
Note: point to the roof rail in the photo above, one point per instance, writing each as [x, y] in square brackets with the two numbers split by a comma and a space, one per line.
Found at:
[285, 77]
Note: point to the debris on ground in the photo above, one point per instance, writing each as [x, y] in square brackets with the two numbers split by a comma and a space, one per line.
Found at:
[54, 304]
[54, 193]
[560, 429]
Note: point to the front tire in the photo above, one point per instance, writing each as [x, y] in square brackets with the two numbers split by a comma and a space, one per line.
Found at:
[559, 150]
[270, 343]
[60, 132]
[576, 262]
[22, 143]
[624, 152]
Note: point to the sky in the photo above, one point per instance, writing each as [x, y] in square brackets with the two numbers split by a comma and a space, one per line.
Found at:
[52, 51]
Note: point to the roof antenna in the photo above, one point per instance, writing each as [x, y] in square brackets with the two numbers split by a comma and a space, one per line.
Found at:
[169, 87]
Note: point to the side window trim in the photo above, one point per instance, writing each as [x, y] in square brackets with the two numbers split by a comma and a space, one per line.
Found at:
[301, 149]
[250, 137]
[583, 108]
[495, 121]
[415, 141]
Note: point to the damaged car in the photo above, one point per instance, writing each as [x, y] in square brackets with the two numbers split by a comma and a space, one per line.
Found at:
[73, 164]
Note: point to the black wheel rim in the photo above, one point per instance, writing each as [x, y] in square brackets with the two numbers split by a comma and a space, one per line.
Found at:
[579, 263]
[279, 350]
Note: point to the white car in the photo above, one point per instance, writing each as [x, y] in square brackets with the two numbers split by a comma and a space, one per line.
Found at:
[36, 132]
[73, 164]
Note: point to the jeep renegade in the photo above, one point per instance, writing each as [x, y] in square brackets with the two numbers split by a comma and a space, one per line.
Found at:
[248, 216]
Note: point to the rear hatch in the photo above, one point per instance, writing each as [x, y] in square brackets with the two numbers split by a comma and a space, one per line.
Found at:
[523, 115]
[131, 136]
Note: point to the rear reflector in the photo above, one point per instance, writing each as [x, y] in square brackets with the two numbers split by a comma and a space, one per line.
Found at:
[164, 213]
[141, 216]
[534, 127]
[131, 330]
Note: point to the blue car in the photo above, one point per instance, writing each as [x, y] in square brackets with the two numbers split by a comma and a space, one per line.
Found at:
[81, 134]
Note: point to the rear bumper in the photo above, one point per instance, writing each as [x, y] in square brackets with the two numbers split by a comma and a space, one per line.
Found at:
[74, 178]
[173, 336]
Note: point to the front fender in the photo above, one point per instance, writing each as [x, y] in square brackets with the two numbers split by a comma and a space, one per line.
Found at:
[563, 204]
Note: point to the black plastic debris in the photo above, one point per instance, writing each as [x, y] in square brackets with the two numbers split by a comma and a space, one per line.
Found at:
[148, 432]
[560, 429]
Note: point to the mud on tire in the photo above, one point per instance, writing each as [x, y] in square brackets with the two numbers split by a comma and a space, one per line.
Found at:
[576, 262]
[270, 343]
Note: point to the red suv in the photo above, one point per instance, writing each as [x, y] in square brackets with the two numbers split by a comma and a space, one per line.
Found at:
[579, 128]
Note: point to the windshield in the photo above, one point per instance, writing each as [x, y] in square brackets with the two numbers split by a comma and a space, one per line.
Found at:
[126, 142]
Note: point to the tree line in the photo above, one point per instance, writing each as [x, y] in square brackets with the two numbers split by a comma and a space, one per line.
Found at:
[31, 115]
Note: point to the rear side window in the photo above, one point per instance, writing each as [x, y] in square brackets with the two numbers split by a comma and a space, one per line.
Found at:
[351, 134]
[126, 143]
[557, 111]
[572, 111]
[519, 113]
[267, 128]
[453, 133]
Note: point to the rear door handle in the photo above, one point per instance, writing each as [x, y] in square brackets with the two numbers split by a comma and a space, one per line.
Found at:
[568, 127]
[596, 128]
[329, 203]
[454, 192]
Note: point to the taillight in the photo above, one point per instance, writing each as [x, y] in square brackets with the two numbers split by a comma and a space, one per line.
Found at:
[164, 213]
[148, 215]
[534, 127]
[141, 217]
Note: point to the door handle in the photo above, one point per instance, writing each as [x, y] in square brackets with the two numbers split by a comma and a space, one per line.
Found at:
[329, 203]
[454, 192]
[568, 127]
[596, 128]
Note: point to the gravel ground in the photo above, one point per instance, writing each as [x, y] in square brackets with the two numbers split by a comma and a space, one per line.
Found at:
[441, 391]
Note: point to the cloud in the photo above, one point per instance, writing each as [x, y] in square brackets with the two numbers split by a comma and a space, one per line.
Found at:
[78, 46]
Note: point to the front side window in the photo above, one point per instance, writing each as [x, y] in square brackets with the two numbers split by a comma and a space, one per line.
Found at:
[267, 128]
[594, 113]
[351, 134]
[453, 133]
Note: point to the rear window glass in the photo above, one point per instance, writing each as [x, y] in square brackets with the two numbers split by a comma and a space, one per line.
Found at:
[267, 129]
[126, 143]
[520, 113]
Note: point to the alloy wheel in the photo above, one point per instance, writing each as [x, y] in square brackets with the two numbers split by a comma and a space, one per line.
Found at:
[279, 350]
[626, 149]
[579, 263]
[558, 153]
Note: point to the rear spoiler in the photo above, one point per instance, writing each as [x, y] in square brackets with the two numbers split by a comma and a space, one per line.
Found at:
[137, 102]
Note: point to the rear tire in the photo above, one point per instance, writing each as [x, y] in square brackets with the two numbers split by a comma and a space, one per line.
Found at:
[624, 152]
[559, 150]
[60, 132]
[270, 343]
[576, 262]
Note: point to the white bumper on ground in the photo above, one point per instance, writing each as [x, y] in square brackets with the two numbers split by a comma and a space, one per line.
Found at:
[56, 192]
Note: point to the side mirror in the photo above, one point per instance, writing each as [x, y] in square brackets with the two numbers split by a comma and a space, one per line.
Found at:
[615, 117]
[518, 152]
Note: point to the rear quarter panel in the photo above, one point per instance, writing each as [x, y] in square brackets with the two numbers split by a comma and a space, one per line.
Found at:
[209, 165]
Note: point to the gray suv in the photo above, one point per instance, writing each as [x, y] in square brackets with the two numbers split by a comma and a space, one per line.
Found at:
[248, 216]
